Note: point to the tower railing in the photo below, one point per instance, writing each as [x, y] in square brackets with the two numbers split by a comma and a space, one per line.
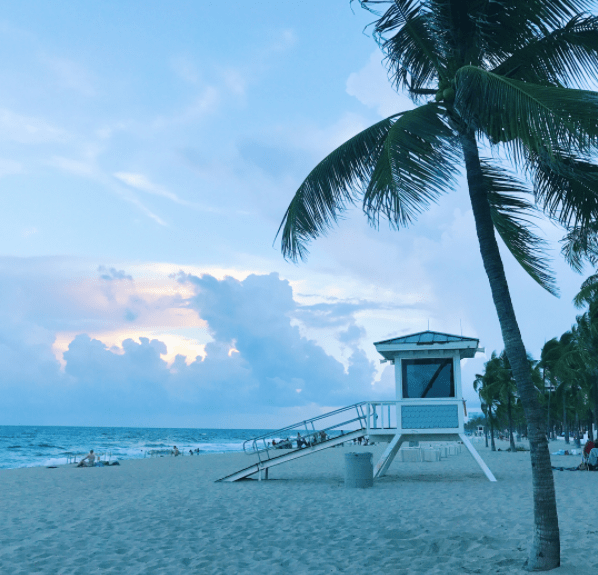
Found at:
[316, 430]
[381, 415]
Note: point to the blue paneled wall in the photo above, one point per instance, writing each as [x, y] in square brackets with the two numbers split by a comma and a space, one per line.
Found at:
[429, 416]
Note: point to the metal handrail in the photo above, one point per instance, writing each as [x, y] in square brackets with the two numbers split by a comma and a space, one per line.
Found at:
[250, 447]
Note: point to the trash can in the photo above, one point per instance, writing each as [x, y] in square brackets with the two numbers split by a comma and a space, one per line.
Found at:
[359, 469]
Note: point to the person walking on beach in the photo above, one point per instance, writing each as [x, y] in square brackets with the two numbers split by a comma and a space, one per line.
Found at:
[175, 451]
[88, 460]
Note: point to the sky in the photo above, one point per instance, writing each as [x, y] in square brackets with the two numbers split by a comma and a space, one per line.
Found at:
[148, 151]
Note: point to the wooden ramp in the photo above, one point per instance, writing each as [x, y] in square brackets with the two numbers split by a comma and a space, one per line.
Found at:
[262, 467]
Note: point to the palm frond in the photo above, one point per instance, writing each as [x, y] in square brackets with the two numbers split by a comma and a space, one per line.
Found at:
[581, 244]
[417, 164]
[566, 55]
[511, 214]
[565, 187]
[527, 117]
[412, 57]
[330, 187]
[406, 37]
[587, 291]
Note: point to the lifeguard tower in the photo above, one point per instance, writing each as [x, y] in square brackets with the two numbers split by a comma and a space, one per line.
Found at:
[429, 404]
[429, 407]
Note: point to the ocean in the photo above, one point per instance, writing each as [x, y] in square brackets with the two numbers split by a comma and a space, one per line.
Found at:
[33, 446]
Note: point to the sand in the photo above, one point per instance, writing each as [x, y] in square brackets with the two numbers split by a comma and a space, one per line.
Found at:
[167, 515]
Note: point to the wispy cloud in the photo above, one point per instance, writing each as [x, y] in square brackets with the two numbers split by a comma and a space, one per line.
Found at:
[144, 184]
[204, 104]
[28, 129]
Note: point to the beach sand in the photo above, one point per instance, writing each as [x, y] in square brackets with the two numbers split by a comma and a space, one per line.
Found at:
[167, 515]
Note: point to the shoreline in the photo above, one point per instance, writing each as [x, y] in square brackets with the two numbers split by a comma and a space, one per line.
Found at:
[51, 462]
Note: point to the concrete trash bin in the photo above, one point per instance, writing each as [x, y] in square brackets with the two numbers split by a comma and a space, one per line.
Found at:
[359, 469]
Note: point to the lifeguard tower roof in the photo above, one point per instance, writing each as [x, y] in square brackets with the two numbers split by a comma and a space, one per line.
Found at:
[467, 346]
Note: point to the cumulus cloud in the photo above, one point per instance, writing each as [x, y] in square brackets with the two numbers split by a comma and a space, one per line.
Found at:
[257, 362]
[352, 334]
[255, 315]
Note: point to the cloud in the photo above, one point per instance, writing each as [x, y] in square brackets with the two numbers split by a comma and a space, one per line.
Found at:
[372, 87]
[113, 274]
[352, 334]
[28, 129]
[254, 315]
[255, 363]
[202, 106]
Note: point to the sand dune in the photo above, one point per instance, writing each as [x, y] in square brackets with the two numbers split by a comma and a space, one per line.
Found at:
[167, 515]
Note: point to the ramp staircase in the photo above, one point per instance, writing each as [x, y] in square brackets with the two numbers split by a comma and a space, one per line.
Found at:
[321, 432]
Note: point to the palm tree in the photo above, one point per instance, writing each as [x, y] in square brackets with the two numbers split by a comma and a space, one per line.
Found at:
[549, 357]
[486, 386]
[484, 72]
[586, 338]
[498, 386]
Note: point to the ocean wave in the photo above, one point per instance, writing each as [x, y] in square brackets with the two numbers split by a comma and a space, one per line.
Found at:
[56, 444]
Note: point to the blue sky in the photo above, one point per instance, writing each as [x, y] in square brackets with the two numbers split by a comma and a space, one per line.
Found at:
[148, 151]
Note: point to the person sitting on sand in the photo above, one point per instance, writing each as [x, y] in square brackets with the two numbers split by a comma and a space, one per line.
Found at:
[175, 451]
[300, 441]
[88, 460]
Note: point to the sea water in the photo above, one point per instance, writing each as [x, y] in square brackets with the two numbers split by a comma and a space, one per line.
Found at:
[31, 446]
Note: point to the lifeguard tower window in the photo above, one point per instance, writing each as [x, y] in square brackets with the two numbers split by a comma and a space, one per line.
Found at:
[426, 378]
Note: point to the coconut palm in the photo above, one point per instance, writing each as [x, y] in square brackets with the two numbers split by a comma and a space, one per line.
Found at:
[483, 72]
[549, 358]
[487, 386]
[498, 384]
[585, 334]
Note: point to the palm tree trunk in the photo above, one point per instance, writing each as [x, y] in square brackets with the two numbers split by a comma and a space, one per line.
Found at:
[595, 389]
[492, 444]
[511, 438]
[548, 430]
[565, 422]
[545, 550]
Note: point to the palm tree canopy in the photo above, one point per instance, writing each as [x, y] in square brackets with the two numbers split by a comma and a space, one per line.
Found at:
[502, 70]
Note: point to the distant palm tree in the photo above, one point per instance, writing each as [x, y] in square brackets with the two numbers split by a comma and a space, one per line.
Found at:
[485, 386]
[496, 72]
[585, 335]
[549, 357]
[497, 387]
